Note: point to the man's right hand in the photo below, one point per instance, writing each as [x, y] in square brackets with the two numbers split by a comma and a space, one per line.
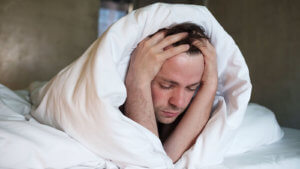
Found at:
[150, 54]
[145, 63]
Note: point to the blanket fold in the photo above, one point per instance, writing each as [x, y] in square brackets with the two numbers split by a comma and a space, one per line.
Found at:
[84, 98]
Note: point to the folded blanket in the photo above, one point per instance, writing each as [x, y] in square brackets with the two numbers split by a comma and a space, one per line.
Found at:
[83, 99]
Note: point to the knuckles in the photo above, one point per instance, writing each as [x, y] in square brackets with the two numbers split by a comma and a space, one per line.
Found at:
[141, 45]
[151, 51]
[146, 44]
[156, 58]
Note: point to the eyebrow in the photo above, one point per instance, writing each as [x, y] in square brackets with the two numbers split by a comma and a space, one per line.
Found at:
[176, 83]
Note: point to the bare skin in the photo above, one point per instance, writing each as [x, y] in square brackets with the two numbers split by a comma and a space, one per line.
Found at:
[145, 63]
[161, 82]
[196, 116]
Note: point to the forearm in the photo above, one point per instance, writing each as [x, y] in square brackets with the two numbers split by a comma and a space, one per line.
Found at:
[139, 107]
[191, 124]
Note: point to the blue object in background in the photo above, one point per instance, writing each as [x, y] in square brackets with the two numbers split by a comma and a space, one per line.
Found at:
[107, 17]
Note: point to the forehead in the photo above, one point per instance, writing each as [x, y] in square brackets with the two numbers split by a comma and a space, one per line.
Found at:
[183, 69]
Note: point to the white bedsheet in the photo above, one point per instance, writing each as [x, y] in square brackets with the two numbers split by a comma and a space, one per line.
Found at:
[284, 154]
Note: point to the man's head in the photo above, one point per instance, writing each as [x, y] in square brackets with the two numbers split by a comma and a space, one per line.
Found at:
[176, 82]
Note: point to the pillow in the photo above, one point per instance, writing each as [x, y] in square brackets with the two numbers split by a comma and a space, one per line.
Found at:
[12, 103]
[258, 128]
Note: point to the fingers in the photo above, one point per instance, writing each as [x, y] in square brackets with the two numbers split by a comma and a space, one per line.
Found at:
[156, 38]
[171, 39]
[200, 44]
[161, 46]
[205, 47]
[174, 51]
[170, 51]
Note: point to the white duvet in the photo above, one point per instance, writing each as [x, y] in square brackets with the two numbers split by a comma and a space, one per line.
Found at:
[25, 143]
[83, 99]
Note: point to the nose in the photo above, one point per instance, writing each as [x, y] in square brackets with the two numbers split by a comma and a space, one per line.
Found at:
[178, 99]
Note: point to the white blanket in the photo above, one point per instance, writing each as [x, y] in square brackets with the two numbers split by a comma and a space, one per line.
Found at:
[83, 98]
[25, 143]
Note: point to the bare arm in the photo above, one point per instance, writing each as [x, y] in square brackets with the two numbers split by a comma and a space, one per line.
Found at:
[145, 63]
[139, 107]
[197, 115]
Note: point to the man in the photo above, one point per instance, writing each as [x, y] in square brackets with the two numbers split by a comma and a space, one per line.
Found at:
[163, 76]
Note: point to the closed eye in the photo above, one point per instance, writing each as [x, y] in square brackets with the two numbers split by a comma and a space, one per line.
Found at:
[165, 86]
[193, 88]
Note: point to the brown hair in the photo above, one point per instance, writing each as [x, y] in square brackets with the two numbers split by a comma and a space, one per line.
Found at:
[194, 31]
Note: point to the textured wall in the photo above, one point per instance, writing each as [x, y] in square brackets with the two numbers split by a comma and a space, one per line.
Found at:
[40, 37]
[268, 33]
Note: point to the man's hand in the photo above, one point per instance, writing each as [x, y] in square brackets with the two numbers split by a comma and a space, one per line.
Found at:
[210, 74]
[145, 63]
[147, 59]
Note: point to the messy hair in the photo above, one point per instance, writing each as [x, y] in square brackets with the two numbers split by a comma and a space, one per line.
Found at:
[194, 31]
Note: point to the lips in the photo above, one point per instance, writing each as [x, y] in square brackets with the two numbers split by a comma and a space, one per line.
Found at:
[170, 114]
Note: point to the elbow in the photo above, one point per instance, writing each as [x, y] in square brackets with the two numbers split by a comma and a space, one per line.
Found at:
[172, 154]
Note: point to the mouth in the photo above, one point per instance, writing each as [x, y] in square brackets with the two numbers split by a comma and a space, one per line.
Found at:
[170, 114]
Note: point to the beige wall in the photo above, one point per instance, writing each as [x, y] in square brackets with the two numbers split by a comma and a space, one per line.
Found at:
[40, 37]
[268, 34]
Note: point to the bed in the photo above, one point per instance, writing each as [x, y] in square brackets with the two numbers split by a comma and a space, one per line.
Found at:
[25, 143]
[283, 154]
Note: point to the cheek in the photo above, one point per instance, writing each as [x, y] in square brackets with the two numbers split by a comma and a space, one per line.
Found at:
[189, 97]
[159, 96]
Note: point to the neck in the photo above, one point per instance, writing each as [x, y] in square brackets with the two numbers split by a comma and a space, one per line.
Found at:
[165, 130]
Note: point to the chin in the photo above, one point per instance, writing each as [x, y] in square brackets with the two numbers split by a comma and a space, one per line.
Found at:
[166, 120]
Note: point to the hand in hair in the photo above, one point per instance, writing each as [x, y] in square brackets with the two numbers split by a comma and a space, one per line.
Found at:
[145, 63]
[210, 74]
[147, 59]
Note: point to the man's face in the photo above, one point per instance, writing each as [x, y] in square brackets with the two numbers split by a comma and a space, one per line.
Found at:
[174, 86]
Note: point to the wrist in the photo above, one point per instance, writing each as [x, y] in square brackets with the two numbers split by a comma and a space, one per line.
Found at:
[211, 86]
[138, 86]
[137, 83]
